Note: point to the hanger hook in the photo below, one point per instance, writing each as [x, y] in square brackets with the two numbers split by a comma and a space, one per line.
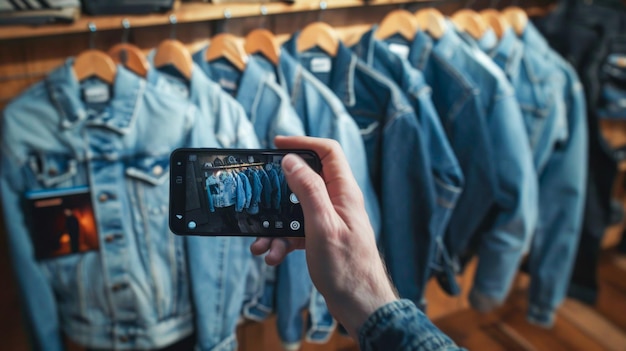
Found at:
[92, 34]
[173, 21]
[125, 30]
[323, 6]
[263, 10]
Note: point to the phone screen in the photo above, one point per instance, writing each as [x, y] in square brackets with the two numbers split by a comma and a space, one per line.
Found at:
[234, 192]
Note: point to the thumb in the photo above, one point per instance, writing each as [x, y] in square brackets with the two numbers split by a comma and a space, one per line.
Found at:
[308, 186]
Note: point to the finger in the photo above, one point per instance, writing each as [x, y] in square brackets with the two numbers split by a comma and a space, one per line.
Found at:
[278, 251]
[309, 187]
[335, 168]
[260, 246]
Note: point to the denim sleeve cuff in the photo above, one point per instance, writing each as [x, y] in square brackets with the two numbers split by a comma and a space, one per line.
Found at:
[400, 325]
[539, 316]
[482, 302]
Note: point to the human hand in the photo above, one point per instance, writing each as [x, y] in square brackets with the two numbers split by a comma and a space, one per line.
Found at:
[341, 251]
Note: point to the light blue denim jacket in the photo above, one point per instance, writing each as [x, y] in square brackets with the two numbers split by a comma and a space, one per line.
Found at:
[397, 159]
[265, 104]
[323, 115]
[134, 292]
[447, 173]
[555, 244]
[497, 211]
[219, 261]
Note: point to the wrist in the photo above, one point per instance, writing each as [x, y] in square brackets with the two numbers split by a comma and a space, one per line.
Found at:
[357, 305]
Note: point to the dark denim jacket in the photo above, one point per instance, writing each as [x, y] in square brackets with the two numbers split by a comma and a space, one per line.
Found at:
[323, 115]
[497, 211]
[398, 163]
[445, 167]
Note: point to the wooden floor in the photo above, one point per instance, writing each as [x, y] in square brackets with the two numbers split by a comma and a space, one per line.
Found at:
[577, 326]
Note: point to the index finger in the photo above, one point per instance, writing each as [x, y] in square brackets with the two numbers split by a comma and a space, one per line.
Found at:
[335, 168]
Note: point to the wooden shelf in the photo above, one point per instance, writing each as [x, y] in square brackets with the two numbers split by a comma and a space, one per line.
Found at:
[186, 13]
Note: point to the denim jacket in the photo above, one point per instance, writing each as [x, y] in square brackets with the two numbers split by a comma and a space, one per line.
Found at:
[445, 167]
[397, 160]
[554, 247]
[231, 127]
[266, 105]
[323, 115]
[247, 189]
[497, 211]
[255, 198]
[225, 115]
[134, 292]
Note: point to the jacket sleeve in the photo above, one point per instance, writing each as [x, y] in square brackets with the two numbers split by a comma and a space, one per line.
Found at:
[240, 193]
[400, 325]
[37, 298]
[514, 218]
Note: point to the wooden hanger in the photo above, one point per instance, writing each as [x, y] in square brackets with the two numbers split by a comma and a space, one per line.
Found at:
[228, 46]
[94, 63]
[321, 35]
[398, 22]
[131, 57]
[495, 21]
[173, 52]
[470, 22]
[517, 18]
[263, 41]
[432, 21]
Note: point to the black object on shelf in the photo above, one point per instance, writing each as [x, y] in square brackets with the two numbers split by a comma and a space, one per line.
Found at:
[121, 7]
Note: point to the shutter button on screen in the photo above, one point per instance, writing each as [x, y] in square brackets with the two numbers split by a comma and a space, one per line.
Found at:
[294, 225]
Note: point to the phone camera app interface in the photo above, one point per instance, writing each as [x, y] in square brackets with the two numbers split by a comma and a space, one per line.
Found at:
[240, 194]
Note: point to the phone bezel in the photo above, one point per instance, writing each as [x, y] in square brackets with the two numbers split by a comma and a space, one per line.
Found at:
[177, 191]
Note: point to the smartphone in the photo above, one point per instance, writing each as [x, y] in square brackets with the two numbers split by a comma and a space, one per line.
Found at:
[234, 192]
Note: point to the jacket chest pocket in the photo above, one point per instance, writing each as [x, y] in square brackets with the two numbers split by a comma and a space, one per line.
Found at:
[148, 182]
[54, 171]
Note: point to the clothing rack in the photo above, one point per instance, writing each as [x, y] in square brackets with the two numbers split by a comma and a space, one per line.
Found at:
[237, 166]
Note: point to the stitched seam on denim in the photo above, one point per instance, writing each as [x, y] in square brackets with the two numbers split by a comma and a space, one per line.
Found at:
[447, 186]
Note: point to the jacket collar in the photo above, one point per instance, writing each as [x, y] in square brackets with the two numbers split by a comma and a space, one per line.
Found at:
[508, 53]
[65, 93]
[343, 67]
[251, 80]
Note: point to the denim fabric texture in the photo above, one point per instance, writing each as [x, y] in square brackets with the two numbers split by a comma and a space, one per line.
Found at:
[554, 247]
[220, 110]
[447, 174]
[400, 325]
[255, 183]
[247, 188]
[134, 292]
[323, 115]
[211, 181]
[276, 188]
[486, 129]
[398, 163]
[266, 105]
